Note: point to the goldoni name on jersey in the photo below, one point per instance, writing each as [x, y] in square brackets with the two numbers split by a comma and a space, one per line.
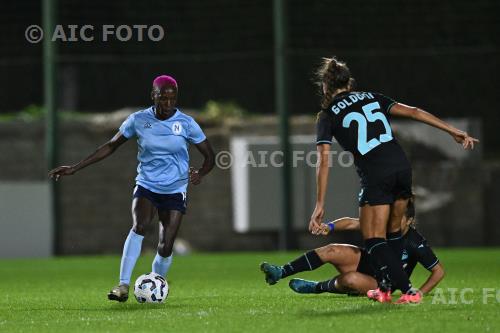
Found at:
[350, 100]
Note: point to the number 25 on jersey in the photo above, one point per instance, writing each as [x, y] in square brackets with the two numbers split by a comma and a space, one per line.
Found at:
[365, 146]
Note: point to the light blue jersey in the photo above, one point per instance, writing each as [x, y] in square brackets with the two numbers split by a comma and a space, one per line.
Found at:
[163, 149]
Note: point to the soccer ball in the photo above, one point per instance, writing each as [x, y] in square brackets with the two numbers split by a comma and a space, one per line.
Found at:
[151, 288]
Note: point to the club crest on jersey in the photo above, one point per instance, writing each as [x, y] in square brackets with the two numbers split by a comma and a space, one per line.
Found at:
[177, 128]
[147, 125]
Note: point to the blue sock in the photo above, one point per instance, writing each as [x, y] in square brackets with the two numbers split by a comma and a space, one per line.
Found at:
[131, 251]
[161, 265]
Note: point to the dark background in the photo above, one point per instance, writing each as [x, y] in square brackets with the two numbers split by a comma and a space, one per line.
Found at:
[440, 55]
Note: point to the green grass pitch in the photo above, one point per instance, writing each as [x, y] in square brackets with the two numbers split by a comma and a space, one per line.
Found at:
[227, 293]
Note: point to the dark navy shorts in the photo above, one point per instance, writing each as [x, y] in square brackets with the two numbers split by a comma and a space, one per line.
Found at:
[174, 201]
[385, 192]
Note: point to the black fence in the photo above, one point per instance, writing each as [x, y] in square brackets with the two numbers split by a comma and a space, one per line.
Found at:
[443, 56]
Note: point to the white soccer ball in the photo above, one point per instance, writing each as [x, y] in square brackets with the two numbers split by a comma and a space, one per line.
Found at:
[151, 288]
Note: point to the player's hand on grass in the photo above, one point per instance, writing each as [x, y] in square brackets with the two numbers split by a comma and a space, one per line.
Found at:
[315, 222]
[63, 170]
[465, 139]
[194, 176]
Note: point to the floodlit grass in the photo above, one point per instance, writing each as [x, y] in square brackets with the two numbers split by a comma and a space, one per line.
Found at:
[227, 293]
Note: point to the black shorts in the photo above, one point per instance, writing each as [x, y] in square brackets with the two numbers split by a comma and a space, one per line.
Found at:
[174, 201]
[388, 190]
[364, 264]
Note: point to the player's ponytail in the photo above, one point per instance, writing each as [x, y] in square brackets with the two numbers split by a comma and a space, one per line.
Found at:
[333, 75]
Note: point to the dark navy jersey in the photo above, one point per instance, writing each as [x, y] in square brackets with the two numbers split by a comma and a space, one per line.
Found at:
[416, 250]
[359, 121]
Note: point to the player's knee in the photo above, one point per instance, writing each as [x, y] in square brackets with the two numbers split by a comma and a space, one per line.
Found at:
[139, 229]
[349, 280]
[332, 250]
[327, 252]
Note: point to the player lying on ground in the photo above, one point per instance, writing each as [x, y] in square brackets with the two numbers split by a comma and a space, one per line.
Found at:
[356, 276]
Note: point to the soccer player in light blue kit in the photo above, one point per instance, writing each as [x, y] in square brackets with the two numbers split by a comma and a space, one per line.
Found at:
[163, 135]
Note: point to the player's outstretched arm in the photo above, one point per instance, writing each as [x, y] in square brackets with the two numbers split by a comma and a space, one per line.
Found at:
[346, 223]
[101, 152]
[206, 150]
[418, 114]
[435, 276]
[322, 170]
[341, 224]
